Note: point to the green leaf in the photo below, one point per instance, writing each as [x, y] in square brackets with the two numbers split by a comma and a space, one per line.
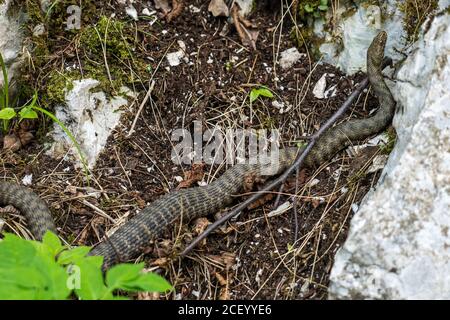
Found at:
[323, 7]
[130, 277]
[27, 113]
[92, 286]
[52, 242]
[255, 93]
[27, 271]
[316, 14]
[7, 113]
[324, 2]
[151, 282]
[118, 276]
[73, 255]
[308, 8]
[265, 92]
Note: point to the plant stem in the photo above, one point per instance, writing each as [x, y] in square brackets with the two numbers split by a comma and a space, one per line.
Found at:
[5, 91]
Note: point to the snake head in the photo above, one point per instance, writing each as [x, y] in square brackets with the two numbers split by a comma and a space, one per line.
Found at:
[375, 52]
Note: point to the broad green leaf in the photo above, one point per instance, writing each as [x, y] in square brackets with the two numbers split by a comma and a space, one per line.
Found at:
[92, 286]
[27, 113]
[323, 7]
[265, 92]
[118, 276]
[150, 282]
[73, 255]
[7, 113]
[28, 266]
[52, 242]
[256, 93]
[324, 2]
[16, 251]
[253, 95]
[130, 277]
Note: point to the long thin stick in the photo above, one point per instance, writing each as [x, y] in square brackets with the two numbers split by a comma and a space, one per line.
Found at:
[297, 163]
[141, 107]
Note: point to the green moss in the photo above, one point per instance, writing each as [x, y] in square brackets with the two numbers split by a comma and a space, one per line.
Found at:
[100, 39]
[389, 146]
[415, 13]
[307, 10]
[58, 84]
[108, 33]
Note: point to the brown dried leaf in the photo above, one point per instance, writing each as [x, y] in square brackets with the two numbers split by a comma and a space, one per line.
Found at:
[227, 259]
[192, 176]
[148, 296]
[224, 294]
[248, 37]
[160, 262]
[177, 8]
[200, 225]
[221, 279]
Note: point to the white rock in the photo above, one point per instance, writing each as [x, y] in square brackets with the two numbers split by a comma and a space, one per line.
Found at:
[289, 57]
[146, 12]
[89, 116]
[132, 12]
[174, 58]
[319, 88]
[27, 180]
[357, 31]
[11, 38]
[218, 8]
[398, 241]
[246, 7]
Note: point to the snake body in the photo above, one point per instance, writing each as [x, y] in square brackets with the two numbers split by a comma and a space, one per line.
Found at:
[131, 238]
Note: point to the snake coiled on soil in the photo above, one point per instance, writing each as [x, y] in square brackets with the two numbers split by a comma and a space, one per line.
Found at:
[134, 236]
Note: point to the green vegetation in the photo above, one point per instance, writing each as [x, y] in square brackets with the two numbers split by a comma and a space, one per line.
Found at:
[415, 13]
[105, 48]
[310, 9]
[29, 111]
[389, 145]
[48, 270]
[262, 91]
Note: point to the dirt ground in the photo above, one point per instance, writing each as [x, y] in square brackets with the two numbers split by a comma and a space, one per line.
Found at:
[253, 256]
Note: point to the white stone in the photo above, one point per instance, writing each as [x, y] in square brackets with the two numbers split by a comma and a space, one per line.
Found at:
[174, 58]
[289, 57]
[10, 40]
[132, 12]
[90, 117]
[357, 31]
[398, 244]
[246, 7]
[218, 8]
[146, 12]
[27, 180]
[319, 88]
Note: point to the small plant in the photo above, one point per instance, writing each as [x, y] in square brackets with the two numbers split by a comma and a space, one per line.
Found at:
[47, 270]
[316, 9]
[29, 111]
[255, 93]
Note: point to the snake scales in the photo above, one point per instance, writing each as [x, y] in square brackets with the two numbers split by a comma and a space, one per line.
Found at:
[131, 238]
